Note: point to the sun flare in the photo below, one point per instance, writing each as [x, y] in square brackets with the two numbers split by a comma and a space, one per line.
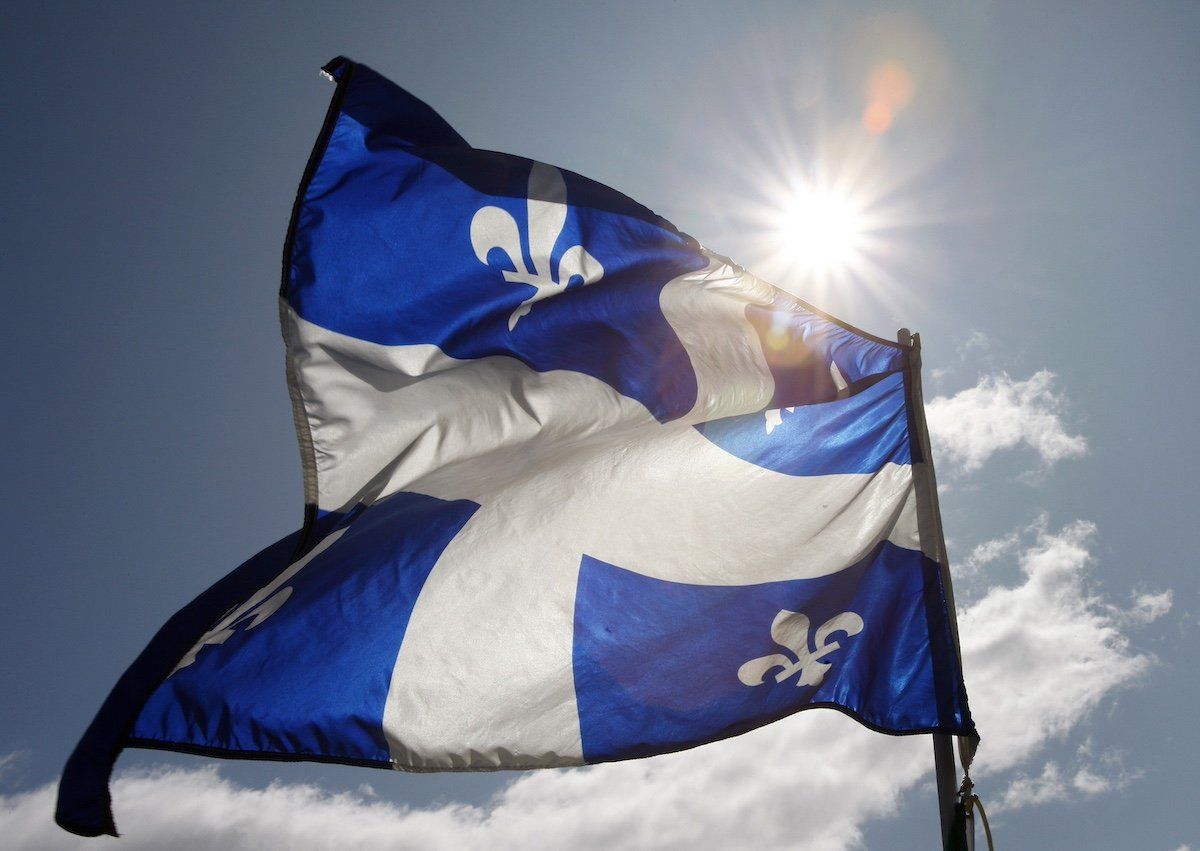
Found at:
[820, 229]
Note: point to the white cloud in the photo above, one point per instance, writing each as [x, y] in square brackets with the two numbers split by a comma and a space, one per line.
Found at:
[197, 808]
[1000, 413]
[1042, 654]
[1148, 608]
[1025, 791]
[984, 554]
[976, 342]
[11, 763]
[811, 780]
[1039, 655]
[975, 350]
[1090, 782]
[1091, 775]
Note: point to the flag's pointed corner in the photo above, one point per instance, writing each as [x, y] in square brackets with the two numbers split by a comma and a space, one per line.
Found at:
[333, 69]
[87, 828]
[84, 805]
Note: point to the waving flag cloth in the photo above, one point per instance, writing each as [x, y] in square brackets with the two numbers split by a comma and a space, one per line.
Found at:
[577, 490]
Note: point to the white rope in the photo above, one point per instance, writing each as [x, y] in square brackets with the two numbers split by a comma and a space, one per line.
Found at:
[966, 794]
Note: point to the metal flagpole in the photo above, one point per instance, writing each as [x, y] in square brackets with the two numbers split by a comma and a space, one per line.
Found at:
[933, 542]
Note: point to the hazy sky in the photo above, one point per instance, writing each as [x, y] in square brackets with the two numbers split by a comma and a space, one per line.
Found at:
[1034, 211]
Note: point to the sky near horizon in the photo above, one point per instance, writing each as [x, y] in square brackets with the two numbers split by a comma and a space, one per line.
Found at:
[1027, 181]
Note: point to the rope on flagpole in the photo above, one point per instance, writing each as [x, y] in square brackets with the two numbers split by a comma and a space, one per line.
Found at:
[969, 801]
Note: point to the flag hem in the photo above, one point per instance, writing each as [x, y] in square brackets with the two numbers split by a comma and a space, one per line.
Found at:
[328, 759]
[341, 70]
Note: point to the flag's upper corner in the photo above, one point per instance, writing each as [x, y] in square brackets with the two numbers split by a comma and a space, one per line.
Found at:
[385, 108]
[335, 67]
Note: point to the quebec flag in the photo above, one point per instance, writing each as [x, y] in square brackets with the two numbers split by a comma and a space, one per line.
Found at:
[577, 490]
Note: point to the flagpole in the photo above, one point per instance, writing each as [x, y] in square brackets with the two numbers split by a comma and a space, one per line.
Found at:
[929, 523]
[946, 770]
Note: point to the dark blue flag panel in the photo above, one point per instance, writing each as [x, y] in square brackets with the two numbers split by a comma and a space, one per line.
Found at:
[577, 490]
[655, 661]
[320, 689]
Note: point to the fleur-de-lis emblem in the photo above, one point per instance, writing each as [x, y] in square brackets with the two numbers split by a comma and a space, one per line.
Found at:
[493, 228]
[790, 630]
[774, 416]
[250, 618]
[261, 605]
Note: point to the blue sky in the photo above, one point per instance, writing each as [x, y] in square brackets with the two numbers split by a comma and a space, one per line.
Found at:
[1034, 206]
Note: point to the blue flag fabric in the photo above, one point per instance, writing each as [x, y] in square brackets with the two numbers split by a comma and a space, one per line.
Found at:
[577, 490]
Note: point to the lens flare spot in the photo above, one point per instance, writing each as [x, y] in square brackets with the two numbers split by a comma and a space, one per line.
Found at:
[889, 89]
[777, 340]
[877, 118]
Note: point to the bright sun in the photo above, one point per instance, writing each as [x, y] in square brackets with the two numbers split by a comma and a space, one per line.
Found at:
[820, 229]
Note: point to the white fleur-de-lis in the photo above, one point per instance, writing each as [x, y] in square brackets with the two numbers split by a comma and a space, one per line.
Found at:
[261, 605]
[250, 618]
[774, 416]
[493, 228]
[790, 630]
